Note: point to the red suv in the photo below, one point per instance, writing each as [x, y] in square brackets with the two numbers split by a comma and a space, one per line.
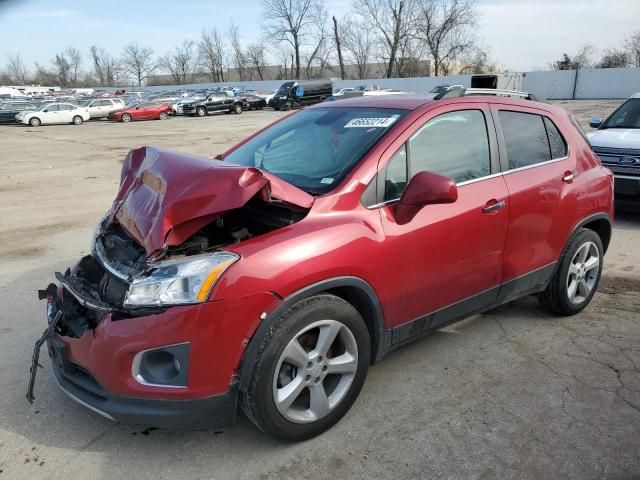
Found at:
[273, 276]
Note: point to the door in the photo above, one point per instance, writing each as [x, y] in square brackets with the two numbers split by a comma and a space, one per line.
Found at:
[544, 189]
[447, 261]
[66, 113]
[51, 114]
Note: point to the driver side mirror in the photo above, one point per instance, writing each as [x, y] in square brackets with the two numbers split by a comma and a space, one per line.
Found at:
[425, 188]
[596, 122]
[46, 110]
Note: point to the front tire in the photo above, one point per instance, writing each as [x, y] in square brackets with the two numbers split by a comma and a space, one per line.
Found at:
[126, 118]
[77, 120]
[35, 122]
[578, 274]
[164, 115]
[201, 111]
[310, 369]
[237, 109]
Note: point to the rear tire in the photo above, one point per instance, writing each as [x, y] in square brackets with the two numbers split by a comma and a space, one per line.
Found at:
[577, 276]
[77, 120]
[315, 358]
[35, 122]
[237, 109]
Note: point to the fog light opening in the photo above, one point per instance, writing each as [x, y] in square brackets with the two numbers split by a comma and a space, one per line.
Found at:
[163, 366]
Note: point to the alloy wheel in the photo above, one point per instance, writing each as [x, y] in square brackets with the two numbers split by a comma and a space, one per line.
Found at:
[583, 273]
[315, 371]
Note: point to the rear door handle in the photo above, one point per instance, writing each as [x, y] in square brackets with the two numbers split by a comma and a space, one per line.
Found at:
[569, 177]
[494, 207]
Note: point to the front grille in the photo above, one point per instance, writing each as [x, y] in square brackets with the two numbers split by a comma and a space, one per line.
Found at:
[623, 170]
[623, 152]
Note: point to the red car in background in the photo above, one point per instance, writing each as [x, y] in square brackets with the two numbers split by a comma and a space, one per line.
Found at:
[142, 111]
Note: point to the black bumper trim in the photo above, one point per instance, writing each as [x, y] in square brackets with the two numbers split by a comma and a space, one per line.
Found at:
[199, 414]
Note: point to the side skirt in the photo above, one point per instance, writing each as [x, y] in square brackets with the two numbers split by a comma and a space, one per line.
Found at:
[530, 283]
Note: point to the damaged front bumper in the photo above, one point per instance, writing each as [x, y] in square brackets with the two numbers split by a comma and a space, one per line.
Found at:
[97, 367]
[202, 413]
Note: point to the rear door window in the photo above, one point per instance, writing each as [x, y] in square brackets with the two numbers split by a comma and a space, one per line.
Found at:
[526, 138]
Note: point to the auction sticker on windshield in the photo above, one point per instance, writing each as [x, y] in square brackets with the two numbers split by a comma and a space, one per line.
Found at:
[383, 122]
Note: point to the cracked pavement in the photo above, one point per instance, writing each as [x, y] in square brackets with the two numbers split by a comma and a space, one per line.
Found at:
[514, 393]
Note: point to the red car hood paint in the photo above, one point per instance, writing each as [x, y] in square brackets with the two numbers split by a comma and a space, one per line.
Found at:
[165, 197]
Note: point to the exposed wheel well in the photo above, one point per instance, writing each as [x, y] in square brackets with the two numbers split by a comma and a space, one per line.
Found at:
[603, 228]
[361, 302]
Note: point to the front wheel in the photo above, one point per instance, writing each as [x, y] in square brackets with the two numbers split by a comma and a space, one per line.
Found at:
[311, 369]
[35, 122]
[126, 118]
[237, 109]
[164, 115]
[578, 274]
[77, 120]
[201, 111]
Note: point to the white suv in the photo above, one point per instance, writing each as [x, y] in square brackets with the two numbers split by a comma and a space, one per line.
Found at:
[102, 107]
[617, 142]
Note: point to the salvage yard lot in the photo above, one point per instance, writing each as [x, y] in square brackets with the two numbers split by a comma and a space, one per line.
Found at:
[512, 393]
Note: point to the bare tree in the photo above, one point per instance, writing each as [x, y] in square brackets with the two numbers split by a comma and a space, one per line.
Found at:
[74, 59]
[256, 59]
[285, 57]
[238, 55]
[476, 61]
[614, 58]
[358, 43]
[138, 62]
[181, 63]
[106, 68]
[289, 21]
[582, 59]
[393, 20]
[16, 69]
[445, 27]
[336, 36]
[62, 69]
[632, 44]
[211, 49]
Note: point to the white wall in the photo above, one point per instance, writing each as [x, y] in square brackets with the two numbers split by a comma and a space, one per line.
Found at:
[553, 85]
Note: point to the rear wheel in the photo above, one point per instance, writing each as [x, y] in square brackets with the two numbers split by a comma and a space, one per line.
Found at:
[77, 120]
[310, 369]
[237, 108]
[578, 275]
[34, 122]
[126, 118]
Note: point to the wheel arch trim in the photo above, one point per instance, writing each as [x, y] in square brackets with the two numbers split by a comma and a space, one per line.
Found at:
[590, 219]
[381, 337]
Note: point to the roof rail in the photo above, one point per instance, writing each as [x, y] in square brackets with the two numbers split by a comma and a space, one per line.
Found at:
[500, 93]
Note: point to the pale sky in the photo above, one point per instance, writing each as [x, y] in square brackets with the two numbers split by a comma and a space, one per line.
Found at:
[520, 34]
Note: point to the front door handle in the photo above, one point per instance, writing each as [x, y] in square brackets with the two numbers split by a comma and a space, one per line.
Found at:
[569, 177]
[493, 206]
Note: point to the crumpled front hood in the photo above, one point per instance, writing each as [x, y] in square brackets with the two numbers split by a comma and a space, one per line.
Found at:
[615, 138]
[165, 197]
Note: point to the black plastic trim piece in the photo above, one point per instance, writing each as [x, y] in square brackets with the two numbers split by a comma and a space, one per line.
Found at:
[527, 284]
[589, 219]
[381, 336]
[197, 414]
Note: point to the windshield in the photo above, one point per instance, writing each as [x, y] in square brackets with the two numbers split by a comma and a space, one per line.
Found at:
[314, 149]
[284, 88]
[45, 106]
[627, 116]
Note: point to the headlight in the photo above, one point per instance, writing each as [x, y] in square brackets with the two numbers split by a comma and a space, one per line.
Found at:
[183, 281]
